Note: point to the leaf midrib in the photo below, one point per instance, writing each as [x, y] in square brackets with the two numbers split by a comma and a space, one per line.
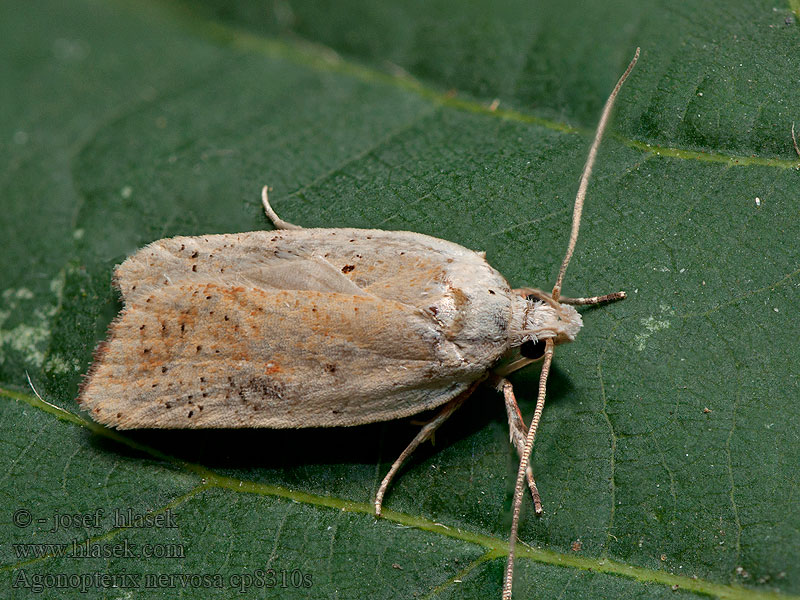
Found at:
[495, 547]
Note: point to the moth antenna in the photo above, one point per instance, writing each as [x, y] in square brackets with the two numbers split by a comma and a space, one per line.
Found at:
[272, 215]
[587, 172]
[523, 468]
[548, 351]
[30, 383]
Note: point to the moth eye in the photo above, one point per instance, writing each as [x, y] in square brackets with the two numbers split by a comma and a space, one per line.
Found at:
[532, 350]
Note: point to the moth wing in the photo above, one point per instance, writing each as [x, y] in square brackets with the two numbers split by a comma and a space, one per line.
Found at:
[469, 299]
[325, 327]
[174, 261]
[213, 355]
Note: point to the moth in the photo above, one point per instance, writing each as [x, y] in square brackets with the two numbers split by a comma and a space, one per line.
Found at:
[298, 327]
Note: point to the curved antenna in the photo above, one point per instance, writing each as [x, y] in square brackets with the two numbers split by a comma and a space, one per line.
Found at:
[587, 172]
[548, 351]
[523, 467]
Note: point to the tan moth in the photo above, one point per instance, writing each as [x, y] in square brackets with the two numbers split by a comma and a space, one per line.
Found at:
[297, 327]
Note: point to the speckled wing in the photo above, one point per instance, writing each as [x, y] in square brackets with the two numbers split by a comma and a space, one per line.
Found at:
[295, 328]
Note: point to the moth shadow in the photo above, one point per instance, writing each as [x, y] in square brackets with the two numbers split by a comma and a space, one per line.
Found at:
[382, 442]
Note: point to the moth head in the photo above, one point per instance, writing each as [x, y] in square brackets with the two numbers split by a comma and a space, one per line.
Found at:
[536, 318]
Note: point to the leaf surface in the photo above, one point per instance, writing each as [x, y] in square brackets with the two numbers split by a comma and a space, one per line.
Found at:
[670, 442]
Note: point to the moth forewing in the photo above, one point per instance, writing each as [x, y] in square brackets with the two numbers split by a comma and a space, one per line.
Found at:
[296, 328]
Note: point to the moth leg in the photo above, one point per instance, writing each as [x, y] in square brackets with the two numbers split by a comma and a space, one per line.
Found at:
[594, 299]
[424, 433]
[272, 215]
[518, 433]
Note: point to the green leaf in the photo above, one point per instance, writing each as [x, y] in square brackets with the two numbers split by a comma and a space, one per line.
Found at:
[669, 446]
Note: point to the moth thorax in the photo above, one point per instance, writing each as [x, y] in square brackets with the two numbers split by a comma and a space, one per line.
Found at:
[534, 320]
